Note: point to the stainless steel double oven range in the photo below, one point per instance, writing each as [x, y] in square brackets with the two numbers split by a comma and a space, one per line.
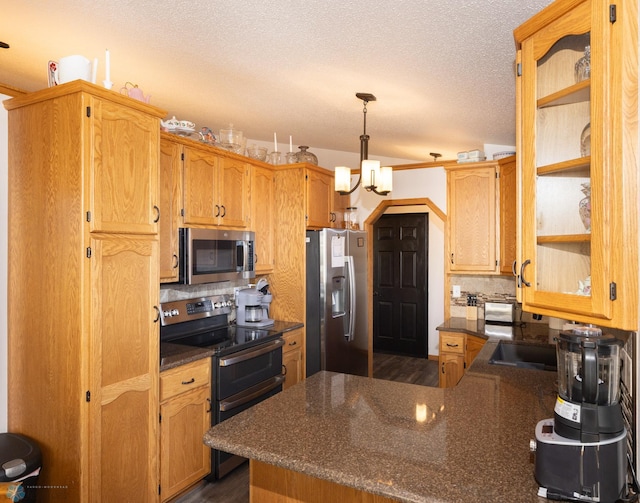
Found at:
[246, 362]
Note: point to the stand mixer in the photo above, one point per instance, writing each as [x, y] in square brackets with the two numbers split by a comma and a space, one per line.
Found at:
[581, 451]
[253, 306]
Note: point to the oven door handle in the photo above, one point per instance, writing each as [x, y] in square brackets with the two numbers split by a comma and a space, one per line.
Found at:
[251, 394]
[247, 354]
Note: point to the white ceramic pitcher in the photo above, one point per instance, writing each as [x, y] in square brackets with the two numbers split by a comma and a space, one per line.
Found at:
[75, 67]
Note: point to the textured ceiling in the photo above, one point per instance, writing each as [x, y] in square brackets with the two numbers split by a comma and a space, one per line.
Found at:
[442, 72]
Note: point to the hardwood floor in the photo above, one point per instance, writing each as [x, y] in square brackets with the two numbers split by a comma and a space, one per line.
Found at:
[406, 369]
[234, 488]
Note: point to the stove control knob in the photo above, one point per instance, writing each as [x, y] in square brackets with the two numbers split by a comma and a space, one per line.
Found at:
[175, 312]
[166, 314]
[217, 305]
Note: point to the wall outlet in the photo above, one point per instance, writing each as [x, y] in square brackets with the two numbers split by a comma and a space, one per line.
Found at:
[456, 291]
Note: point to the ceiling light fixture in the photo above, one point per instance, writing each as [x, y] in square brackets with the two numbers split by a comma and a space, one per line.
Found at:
[373, 177]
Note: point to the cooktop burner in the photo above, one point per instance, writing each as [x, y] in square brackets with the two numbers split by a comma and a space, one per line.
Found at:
[203, 322]
[226, 339]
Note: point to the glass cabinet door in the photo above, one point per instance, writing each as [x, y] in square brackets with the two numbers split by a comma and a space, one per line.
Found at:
[564, 184]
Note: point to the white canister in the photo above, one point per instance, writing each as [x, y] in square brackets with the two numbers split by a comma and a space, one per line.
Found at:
[73, 68]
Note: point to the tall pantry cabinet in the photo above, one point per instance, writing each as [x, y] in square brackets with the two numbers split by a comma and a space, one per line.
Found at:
[83, 289]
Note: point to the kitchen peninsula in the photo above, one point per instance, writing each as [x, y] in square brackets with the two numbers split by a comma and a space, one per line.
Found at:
[337, 436]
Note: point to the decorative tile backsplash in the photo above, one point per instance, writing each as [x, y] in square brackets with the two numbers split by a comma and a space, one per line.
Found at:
[487, 289]
[484, 288]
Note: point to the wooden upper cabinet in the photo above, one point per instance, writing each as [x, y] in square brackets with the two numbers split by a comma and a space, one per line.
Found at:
[508, 215]
[320, 196]
[170, 209]
[233, 193]
[263, 217]
[340, 205]
[578, 153]
[471, 208]
[200, 176]
[319, 199]
[123, 145]
[216, 189]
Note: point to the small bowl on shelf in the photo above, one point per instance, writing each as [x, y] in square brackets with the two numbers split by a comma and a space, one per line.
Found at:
[255, 152]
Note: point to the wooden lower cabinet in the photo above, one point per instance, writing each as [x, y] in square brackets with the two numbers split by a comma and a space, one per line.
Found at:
[185, 416]
[293, 357]
[457, 352]
[272, 484]
[451, 369]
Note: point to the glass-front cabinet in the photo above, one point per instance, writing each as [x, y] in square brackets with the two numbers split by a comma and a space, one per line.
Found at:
[574, 162]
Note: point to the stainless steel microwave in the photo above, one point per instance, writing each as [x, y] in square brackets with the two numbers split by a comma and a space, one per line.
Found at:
[212, 255]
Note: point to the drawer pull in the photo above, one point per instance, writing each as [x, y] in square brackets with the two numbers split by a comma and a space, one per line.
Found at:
[293, 343]
[191, 381]
[452, 345]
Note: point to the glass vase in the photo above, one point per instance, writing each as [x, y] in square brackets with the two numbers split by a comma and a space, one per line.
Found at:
[585, 141]
[583, 66]
[584, 206]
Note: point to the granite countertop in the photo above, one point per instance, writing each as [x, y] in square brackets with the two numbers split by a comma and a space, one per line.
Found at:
[364, 433]
[522, 332]
[175, 355]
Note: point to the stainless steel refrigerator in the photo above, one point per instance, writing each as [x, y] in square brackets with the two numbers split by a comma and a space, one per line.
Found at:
[336, 324]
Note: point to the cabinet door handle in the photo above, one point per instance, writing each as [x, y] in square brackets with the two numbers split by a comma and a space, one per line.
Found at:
[176, 262]
[224, 210]
[443, 367]
[157, 210]
[217, 211]
[190, 381]
[284, 370]
[157, 314]
[209, 400]
[452, 258]
[524, 264]
[514, 270]
[255, 258]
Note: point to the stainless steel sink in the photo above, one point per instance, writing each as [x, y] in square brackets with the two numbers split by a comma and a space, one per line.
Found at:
[521, 355]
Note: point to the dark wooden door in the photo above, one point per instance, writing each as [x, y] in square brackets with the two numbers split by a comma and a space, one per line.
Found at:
[400, 293]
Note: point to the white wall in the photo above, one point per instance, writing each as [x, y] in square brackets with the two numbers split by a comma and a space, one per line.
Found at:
[3, 265]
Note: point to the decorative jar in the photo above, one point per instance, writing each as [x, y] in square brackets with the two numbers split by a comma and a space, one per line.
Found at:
[305, 156]
[584, 206]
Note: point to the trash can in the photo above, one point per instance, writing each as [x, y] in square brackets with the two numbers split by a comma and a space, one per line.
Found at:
[20, 463]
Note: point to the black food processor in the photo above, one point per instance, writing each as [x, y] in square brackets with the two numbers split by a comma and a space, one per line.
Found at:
[581, 451]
